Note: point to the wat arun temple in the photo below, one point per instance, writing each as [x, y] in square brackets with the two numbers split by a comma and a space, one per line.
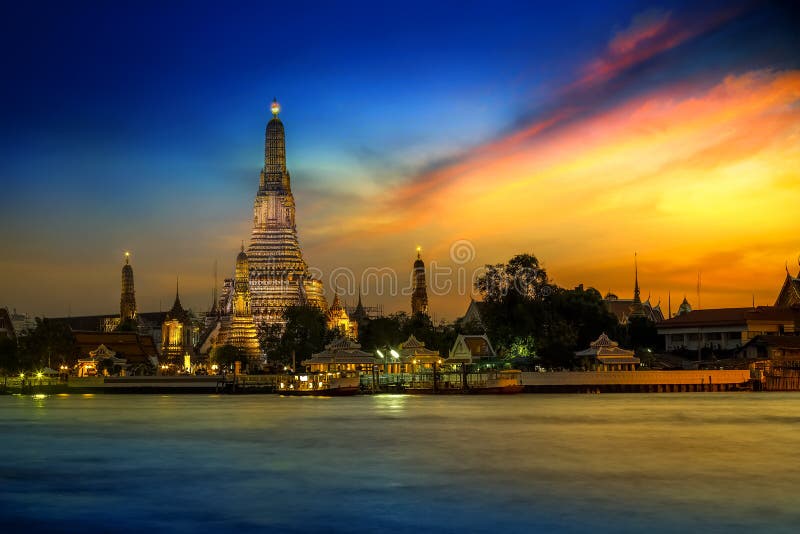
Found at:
[278, 276]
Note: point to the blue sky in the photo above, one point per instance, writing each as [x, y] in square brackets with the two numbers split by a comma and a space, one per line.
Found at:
[134, 125]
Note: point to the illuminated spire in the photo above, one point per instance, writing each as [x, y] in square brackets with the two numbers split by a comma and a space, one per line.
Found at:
[419, 297]
[637, 310]
[127, 301]
[274, 175]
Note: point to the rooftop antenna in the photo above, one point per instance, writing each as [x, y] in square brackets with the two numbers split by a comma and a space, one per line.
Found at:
[699, 274]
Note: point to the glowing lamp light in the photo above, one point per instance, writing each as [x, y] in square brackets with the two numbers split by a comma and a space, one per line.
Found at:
[22, 375]
[394, 353]
[380, 354]
[275, 108]
[39, 374]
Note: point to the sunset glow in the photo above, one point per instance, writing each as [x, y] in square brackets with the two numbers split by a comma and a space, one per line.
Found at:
[660, 133]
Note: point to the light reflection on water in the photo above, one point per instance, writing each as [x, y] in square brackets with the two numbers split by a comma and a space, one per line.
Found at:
[613, 463]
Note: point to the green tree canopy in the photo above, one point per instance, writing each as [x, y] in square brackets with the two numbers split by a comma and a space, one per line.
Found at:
[304, 334]
[50, 341]
[9, 356]
[522, 308]
[225, 356]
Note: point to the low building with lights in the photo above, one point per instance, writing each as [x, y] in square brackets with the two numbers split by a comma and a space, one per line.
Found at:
[98, 362]
[341, 355]
[414, 357]
[726, 328]
[471, 349]
[772, 348]
[137, 353]
[606, 355]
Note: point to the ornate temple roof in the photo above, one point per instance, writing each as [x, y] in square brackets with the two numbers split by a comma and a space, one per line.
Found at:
[177, 311]
[789, 294]
[341, 351]
[608, 351]
[603, 341]
[414, 349]
[129, 345]
[468, 348]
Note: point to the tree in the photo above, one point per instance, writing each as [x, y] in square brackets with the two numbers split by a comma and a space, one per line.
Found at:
[642, 333]
[522, 307]
[9, 356]
[106, 366]
[225, 356]
[269, 336]
[521, 277]
[48, 343]
[304, 334]
[382, 332]
[522, 353]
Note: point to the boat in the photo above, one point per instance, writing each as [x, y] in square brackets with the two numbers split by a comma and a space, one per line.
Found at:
[320, 385]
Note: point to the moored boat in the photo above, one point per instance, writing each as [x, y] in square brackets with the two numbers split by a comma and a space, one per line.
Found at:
[321, 385]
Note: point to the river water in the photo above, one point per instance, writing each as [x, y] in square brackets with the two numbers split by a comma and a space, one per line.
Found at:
[568, 463]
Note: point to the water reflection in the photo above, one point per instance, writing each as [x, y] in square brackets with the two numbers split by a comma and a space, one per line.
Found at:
[610, 463]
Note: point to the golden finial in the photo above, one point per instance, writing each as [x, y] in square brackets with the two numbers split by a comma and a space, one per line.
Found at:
[419, 250]
[275, 107]
[127, 257]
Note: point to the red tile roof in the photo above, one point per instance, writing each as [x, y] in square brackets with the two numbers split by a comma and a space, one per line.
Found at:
[730, 317]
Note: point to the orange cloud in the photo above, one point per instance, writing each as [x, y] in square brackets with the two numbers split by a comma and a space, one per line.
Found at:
[644, 26]
[675, 177]
[649, 34]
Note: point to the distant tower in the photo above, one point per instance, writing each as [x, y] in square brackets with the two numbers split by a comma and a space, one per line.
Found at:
[419, 298]
[359, 315]
[127, 301]
[637, 310]
[243, 333]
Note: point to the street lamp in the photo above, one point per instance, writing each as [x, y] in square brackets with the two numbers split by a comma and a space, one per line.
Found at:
[396, 357]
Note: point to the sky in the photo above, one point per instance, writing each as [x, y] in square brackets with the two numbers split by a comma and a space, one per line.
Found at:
[581, 132]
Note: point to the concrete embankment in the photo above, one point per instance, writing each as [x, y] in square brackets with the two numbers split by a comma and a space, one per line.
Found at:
[636, 381]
